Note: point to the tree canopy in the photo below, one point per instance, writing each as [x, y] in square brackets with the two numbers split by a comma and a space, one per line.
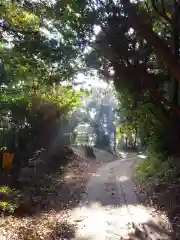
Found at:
[135, 44]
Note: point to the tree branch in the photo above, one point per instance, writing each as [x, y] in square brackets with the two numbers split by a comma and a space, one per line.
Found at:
[16, 31]
[163, 13]
[145, 31]
[146, 80]
[127, 70]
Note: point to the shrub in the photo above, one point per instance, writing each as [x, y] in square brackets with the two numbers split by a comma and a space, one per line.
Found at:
[152, 167]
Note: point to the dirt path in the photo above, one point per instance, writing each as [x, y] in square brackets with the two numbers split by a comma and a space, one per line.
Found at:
[110, 209]
[90, 199]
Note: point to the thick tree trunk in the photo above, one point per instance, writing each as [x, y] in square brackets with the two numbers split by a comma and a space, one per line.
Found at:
[145, 31]
[126, 142]
[175, 47]
[135, 137]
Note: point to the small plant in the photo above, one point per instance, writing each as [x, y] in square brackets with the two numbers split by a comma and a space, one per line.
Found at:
[7, 206]
[9, 199]
[5, 189]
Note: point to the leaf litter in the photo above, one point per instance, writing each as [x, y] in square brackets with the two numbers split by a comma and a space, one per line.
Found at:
[46, 203]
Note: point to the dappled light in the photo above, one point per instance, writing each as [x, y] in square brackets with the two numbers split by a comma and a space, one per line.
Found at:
[142, 156]
[46, 198]
[122, 178]
[110, 209]
[89, 120]
[123, 154]
[98, 222]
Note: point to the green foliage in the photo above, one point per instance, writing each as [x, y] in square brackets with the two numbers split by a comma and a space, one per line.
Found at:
[10, 199]
[24, 113]
[40, 38]
[125, 129]
[154, 167]
[5, 189]
[39, 49]
[7, 206]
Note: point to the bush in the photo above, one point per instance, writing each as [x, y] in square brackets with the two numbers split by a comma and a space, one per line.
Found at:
[152, 168]
[32, 121]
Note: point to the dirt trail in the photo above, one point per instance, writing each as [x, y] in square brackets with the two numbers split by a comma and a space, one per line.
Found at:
[90, 199]
[110, 209]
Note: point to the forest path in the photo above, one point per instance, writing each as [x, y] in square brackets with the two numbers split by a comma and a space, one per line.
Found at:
[110, 209]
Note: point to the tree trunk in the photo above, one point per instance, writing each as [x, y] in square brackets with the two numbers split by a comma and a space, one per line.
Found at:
[135, 137]
[145, 31]
[175, 47]
[126, 142]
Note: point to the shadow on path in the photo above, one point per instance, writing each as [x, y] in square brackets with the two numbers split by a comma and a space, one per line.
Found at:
[110, 208]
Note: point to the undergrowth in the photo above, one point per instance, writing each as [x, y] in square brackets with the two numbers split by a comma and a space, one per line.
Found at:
[8, 199]
[155, 168]
[158, 186]
[49, 189]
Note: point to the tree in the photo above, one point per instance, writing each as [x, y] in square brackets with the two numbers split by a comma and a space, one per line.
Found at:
[162, 50]
[42, 38]
[133, 46]
[142, 67]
